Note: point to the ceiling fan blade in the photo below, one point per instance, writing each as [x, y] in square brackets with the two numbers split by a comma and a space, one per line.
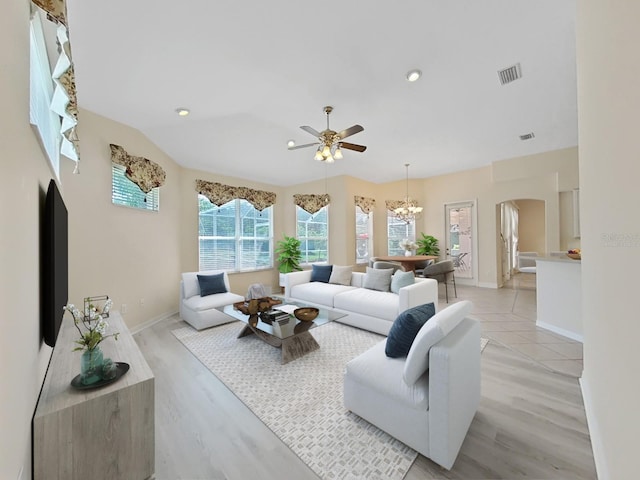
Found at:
[353, 146]
[310, 130]
[351, 131]
[295, 147]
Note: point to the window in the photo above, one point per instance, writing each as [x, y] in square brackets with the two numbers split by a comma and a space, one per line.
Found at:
[125, 192]
[364, 235]
[396, 231]
[46, 122]
[235, 236]
[313, 233]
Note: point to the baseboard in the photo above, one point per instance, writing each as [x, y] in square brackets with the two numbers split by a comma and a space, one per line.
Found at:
[151, 322]
[597, 447]
[488, 284]
[560, 331]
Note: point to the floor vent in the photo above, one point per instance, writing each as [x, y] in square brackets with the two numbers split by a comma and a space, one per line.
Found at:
[527, 136]
[510, 74]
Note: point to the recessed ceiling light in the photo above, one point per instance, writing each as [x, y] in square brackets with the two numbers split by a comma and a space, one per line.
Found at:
[183, 112]
[291, 143]
[413, 75]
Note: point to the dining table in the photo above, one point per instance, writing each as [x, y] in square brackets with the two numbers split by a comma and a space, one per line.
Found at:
[408, 262]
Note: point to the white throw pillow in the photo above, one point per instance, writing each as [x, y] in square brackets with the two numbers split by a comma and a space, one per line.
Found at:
[378, 279]
[341, 275]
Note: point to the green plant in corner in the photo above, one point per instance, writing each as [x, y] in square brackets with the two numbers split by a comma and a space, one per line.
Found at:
[289, 255]
[427, 245]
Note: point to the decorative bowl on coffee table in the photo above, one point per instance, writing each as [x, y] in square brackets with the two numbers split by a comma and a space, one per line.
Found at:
[306, 314]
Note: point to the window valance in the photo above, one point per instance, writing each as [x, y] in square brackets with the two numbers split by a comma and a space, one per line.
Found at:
[366, 204]
[393, 204]
[311, 203]
[64, 102]
[219, 194]
[141, 171]
[56, 10]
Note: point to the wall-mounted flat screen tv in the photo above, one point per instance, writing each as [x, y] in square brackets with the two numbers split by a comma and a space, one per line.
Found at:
[55, 264]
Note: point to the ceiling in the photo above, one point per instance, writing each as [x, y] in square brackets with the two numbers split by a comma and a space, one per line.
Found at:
[252, 72]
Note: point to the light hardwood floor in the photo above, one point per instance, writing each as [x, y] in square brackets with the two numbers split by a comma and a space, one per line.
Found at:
[530, 423]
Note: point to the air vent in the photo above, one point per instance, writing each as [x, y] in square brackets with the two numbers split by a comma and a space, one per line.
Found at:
[527, 136]
[510, 74]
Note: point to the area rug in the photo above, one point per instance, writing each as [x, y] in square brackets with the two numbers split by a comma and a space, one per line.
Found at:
[301, 401]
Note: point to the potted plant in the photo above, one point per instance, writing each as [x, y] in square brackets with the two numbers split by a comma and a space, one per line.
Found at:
[289, 256]
[427, 245]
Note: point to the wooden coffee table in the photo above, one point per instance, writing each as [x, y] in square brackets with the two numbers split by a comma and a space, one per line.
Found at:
[293, 337]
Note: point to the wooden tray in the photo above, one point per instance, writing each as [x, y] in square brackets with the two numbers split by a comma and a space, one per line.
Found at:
[575, 256]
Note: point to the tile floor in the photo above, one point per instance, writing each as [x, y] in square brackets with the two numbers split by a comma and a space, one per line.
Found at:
[508, 316]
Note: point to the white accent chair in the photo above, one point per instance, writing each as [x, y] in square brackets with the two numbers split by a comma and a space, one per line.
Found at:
[202, 312]
[428, 399]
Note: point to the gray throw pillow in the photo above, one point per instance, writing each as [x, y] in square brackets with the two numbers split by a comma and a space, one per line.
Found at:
[377, 279]
[401, 279]
[341, 275]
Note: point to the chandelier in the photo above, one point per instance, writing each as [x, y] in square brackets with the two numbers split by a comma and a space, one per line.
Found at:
[409, 211]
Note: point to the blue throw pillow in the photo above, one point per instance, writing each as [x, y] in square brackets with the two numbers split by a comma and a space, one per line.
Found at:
[210, 284]
[405, 328]
[321, 273]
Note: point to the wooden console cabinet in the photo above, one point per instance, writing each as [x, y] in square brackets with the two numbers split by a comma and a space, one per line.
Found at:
[104, 433]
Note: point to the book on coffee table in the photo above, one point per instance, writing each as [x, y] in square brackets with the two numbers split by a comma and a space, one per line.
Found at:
[286, 308]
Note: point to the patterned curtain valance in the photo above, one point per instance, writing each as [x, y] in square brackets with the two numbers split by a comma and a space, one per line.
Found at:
[219, 194]
[393, 204]
[56, 10]
[365, 203]
[144, 173]
[64, 101]
[310, 202]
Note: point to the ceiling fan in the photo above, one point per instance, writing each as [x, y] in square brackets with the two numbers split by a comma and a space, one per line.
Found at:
[330, 142]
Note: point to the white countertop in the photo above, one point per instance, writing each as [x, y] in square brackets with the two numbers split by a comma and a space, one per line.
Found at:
[557, 259]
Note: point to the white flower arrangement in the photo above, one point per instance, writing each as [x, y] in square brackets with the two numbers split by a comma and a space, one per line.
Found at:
[408, 245]
[95, 326]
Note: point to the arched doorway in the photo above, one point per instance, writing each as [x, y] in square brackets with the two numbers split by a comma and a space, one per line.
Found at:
[521, 228]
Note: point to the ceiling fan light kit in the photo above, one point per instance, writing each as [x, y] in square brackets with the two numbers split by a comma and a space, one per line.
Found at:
[330, 142]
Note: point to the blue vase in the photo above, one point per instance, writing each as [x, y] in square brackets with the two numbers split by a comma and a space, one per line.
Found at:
[91, 366]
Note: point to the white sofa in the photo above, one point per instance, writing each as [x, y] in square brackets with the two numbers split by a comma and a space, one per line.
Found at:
[202, 312]
[427, 399]
[364, 308]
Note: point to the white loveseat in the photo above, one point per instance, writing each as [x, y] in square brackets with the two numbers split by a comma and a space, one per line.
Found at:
[202, 312]
[427, 399]
[371, 310]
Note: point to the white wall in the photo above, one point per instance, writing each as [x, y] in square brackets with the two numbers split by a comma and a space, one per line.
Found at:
[129, 254]
[567, 238]
[24, 178]
[608, 104]
[531, 228]
[536, 177]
